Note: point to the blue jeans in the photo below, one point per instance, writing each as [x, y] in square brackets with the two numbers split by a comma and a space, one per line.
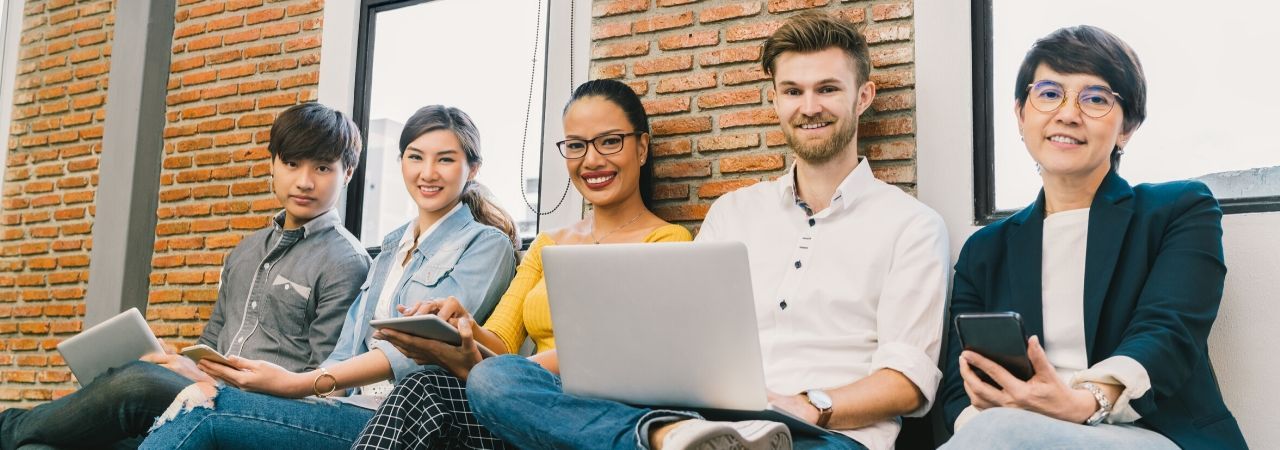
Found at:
[524, 404]
[241, 419]
[118, 405]
[1011, 428]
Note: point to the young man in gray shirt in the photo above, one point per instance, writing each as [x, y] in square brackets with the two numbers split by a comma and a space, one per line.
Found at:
[283, 295]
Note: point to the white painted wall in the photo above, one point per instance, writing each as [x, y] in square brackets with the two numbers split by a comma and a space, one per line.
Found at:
[1248, 326]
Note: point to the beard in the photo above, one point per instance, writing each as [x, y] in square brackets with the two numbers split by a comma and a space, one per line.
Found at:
[818, 152]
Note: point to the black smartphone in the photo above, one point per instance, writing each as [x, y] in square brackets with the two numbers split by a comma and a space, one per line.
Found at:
[999, 337]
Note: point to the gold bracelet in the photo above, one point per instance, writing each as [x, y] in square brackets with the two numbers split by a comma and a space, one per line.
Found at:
[315, 385]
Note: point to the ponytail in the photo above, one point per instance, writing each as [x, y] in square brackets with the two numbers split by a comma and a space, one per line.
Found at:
[477, 197]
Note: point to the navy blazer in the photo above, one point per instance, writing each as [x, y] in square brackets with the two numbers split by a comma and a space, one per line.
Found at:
[1153, 280]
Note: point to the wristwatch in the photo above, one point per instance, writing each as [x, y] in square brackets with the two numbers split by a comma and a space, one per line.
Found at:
[819, 399]
[1104, 405]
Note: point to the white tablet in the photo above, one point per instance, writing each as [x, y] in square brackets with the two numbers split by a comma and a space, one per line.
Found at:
[428, 326]
[113, 343]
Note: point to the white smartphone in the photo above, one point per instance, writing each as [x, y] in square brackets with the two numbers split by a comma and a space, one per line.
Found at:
[200, 351]
[428, 326]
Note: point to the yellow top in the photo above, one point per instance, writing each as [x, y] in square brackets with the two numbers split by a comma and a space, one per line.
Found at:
[524, 310]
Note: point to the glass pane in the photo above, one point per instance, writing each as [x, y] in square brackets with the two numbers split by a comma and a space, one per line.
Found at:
[444, 52]
[1210, 102]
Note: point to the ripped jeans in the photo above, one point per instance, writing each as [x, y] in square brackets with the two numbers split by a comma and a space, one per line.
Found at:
[239, 419]
[119, 404]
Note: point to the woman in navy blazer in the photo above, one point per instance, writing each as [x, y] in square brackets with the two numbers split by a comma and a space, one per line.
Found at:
[1117, 285]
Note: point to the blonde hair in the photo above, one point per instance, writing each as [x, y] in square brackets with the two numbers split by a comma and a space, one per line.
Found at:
[814, 31]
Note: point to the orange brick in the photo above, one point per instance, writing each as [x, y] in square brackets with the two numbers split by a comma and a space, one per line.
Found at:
[750, 117]
[679, 213]
[617, 7]
[610, 30]
[751, 163]
[730, 56]
[905, 149]
[681, 125]
[777, 6]
[660, 23]
[887, 127]
[683, 83]
[669, 148]
[743, 76]
[713, 189]
[887, 32]
[620, 50]
[662, 65]
[666, 106]
[690, 40]
[728, 142]
[682, 169]
[727, 12]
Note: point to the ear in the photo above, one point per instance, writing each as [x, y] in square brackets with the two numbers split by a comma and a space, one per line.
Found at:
[475, 169]
[866, 95]
[642, 150]
[346, 178]
[1017, 113]
[1123, 141]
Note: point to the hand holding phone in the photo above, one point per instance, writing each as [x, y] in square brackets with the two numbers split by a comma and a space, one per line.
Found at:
[998, 337]
[200, 351]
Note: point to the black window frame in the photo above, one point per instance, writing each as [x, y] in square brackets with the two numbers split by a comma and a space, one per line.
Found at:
[369, 10]
[984, 176]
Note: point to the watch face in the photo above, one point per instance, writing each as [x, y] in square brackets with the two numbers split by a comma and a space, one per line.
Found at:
[819, 399]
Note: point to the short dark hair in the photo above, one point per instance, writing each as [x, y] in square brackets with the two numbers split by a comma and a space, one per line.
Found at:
[1086, 49]
[620, 94]
[814, 31]
[314, 132]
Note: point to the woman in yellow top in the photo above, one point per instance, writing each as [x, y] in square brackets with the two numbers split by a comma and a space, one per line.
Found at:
[606, 148]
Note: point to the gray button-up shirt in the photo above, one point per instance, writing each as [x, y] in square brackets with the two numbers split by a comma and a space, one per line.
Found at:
[284, 293]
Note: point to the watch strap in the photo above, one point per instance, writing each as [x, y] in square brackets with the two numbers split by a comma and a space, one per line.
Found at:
[1104, 405]
[824, 414]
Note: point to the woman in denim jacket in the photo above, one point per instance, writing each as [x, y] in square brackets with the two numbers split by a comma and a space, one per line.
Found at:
[460, 246]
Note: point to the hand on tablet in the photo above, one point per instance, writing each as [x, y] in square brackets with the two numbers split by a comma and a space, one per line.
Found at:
[457, 359]
[179, 364]
[259, 376]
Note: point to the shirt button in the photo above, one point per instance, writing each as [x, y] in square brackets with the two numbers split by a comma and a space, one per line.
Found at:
[813, 222]
[240, 340]
[267, 266]
[782, 304]
[253, 305]
[797, 264]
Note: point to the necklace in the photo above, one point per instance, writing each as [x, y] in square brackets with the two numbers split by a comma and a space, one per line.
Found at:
[615, 230]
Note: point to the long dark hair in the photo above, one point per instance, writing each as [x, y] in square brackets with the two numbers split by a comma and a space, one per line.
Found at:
[620, 94]
[474, 195]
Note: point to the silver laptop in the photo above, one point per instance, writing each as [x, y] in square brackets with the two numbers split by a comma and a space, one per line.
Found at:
[112, 343]
[661, 325]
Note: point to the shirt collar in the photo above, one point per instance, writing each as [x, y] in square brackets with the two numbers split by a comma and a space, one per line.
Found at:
[407, 239]
[329, 219]
[854, 185]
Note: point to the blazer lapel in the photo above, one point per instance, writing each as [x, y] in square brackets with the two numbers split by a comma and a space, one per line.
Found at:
[1023, 255]
[1109, 217]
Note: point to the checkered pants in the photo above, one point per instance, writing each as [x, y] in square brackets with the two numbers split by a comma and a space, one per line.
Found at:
[427, 409]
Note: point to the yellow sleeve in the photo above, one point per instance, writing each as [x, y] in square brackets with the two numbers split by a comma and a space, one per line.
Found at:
[507, 320]
[669, 233]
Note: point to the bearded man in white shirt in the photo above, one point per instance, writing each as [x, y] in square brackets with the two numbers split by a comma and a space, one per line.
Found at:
[849, 276]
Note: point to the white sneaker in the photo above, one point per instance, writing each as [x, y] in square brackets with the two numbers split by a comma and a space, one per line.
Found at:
[697, 434]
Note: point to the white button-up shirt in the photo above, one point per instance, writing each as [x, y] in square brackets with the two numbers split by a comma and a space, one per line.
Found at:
[858, 287]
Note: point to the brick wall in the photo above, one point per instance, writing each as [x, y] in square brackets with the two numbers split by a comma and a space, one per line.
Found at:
[235, 64]
[696, 65]
[50, 178]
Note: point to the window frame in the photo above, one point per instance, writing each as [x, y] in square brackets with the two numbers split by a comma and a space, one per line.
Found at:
[559, 34]
[984, 176]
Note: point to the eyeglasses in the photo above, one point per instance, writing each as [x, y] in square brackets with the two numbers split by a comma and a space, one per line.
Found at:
[606, 144]
[1094, 101]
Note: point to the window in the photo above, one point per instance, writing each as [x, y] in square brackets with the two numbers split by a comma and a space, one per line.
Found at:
[1210, 107]
[456, 53]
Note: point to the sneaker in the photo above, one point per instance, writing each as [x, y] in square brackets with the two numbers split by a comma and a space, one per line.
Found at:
[699, 434]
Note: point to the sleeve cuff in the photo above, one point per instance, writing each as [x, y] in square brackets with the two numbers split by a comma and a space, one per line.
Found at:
[969, 413]
[401, 366]
[913, 363]
[1123, 371]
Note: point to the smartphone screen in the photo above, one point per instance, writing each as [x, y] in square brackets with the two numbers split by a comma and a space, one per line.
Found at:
[1000, 338]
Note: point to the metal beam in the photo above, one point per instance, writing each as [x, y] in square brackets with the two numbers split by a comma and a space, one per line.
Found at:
[129, 168]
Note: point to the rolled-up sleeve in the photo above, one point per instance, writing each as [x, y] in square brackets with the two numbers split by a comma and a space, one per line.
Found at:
[1120, 370]
[910, 314]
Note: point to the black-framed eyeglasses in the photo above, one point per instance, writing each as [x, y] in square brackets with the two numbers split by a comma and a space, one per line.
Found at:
[1094, 101]
[605, 144]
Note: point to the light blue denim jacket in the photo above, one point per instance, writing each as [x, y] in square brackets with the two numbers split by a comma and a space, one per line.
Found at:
[461, 258]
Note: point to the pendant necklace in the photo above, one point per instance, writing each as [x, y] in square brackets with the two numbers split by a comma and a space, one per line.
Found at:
[615, 230]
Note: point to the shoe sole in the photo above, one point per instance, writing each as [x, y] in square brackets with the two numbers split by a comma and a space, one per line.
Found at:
[774, 436]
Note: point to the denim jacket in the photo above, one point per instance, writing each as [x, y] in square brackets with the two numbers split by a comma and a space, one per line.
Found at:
[461, 258]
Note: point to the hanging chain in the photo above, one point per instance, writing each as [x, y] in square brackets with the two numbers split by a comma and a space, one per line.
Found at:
[528, 108]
